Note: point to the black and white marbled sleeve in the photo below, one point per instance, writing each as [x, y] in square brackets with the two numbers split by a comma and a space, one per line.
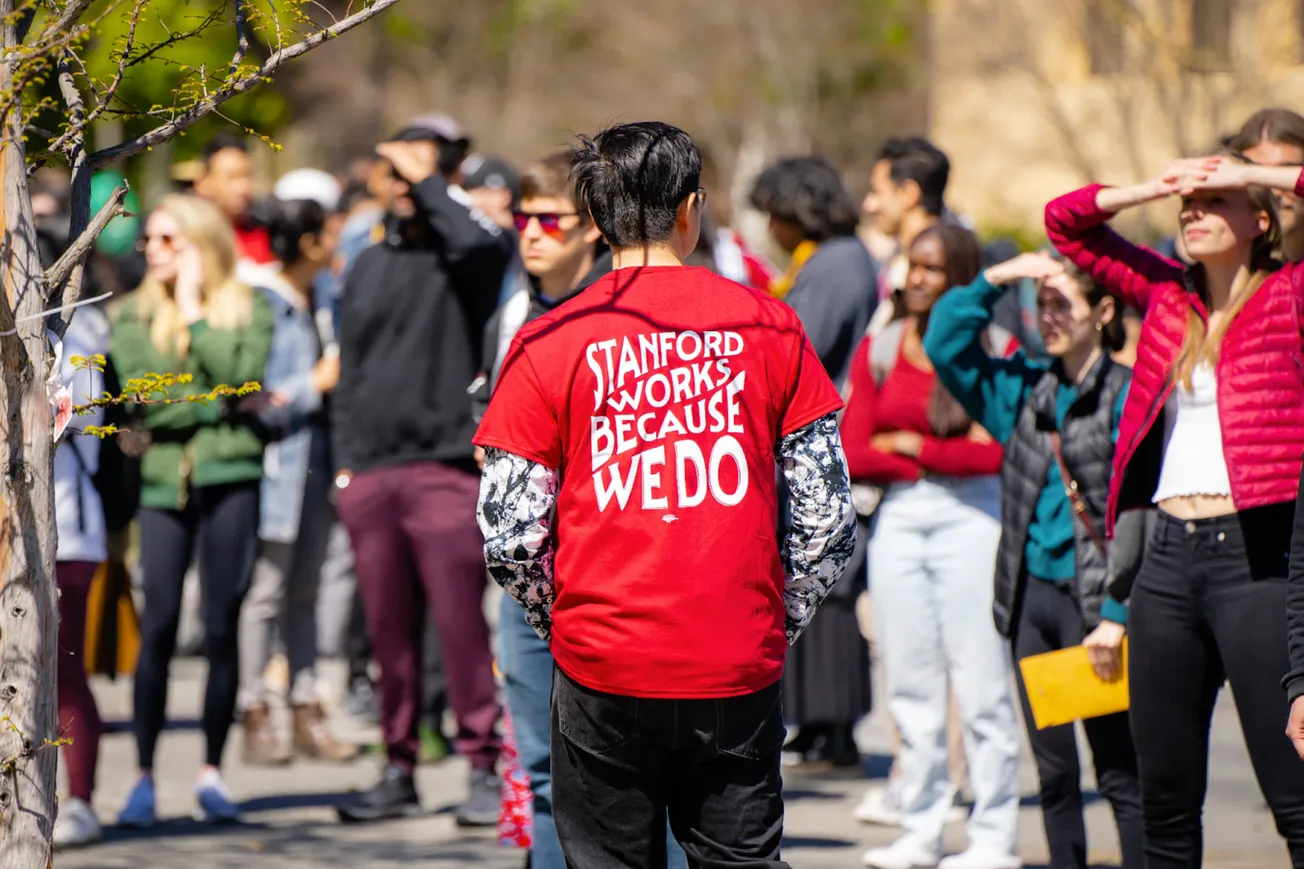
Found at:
[822, 533]
[518, 499]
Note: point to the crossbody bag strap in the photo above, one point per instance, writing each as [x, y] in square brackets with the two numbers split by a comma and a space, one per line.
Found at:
[1075, 497]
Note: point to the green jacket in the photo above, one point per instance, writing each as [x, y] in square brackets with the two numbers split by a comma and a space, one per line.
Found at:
[194, 443]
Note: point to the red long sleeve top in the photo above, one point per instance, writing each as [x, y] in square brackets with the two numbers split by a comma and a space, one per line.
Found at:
[901, 404]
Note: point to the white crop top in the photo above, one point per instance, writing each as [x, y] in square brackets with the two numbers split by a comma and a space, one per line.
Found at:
[1193, 449]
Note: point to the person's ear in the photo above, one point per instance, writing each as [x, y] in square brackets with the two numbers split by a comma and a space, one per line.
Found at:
[592, 235]
[1265, 222]
[1106, 311]
[910, 194]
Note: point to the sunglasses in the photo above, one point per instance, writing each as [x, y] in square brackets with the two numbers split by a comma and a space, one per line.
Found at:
[549, 221]
[163, 238]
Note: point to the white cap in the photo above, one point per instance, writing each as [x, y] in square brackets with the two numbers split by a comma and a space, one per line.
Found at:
[321, 187]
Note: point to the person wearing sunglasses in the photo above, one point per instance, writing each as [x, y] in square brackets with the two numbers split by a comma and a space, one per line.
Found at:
[412, 318]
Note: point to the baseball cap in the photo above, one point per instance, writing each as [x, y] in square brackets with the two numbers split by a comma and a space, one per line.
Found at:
[321, 187]
[479, 170]
[426, 127]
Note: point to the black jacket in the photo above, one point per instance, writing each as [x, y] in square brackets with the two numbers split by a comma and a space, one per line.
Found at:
[412, 318]
[505, 323]
[1088, 445]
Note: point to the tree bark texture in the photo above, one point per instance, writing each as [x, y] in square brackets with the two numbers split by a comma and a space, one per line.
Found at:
[28, 539]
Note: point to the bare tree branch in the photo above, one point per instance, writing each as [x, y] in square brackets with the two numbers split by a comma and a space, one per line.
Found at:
[60, 26]
[237, 87]
[75, 137]
[65, 276]
[241, 35]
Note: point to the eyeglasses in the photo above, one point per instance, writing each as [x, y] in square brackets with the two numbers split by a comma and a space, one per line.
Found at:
[549, 221]
[701, 196]
[163, 238]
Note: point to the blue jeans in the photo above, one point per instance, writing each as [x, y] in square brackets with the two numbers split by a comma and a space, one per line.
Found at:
[527, 666]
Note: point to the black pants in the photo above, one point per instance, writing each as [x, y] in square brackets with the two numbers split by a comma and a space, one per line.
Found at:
[1208, 604]
[224, 522]
[1050, 619]
[619, 764]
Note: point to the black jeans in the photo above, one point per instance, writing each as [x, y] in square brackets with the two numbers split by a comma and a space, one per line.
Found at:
[1208, 604]
[224, 522]
[1049, 619]
[619, 764]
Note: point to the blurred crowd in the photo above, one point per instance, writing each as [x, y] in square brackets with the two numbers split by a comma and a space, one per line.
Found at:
[333, 511]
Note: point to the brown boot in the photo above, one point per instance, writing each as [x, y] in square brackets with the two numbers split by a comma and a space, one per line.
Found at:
[261, 747]
[312, 738]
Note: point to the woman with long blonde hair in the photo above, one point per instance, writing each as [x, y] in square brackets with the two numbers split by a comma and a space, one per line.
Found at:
[200, 472]
[1211, 433]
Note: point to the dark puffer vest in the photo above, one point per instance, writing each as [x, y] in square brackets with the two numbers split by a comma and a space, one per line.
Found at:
[1088, 445]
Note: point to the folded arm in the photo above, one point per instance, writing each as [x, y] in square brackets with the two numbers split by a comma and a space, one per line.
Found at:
[518, 499]
[823, 531]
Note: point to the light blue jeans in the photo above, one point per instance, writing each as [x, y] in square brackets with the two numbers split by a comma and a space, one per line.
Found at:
[931, 562]
[527, 666]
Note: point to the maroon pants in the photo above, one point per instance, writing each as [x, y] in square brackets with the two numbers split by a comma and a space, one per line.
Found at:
[79, 719]
[416, 544]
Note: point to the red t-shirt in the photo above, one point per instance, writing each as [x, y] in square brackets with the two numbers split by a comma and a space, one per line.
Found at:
[254, 244]
[659, 394]
[901, 404]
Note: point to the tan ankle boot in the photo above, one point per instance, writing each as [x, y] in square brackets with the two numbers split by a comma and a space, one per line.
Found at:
[312, 738]
[261, 747]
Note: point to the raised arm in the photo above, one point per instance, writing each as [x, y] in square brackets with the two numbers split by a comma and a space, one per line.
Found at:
[518, 499]
[991, 390]
[823, 531]
[1076, 224]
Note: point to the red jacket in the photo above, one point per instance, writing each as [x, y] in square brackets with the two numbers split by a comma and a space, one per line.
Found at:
[1260, 365]
[867, 415]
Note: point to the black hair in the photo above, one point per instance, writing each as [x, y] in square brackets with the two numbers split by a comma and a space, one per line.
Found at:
[224, 142]
[288, 221]
[919, 160]
[807, 192]
[633, 177]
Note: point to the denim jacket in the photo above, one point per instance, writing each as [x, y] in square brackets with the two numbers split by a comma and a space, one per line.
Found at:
[298, 428]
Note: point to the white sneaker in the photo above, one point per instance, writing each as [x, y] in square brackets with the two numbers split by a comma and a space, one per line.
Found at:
[139, 810]
[75, 825]
[879, 806]
[904, 853]
[213, 801]
[981, 858]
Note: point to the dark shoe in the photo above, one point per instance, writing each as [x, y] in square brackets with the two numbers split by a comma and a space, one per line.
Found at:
[261, 748]
[482, 807]
[312, 738]
[394, 796]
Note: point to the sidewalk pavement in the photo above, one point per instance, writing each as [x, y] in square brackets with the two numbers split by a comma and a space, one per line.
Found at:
[290, 822]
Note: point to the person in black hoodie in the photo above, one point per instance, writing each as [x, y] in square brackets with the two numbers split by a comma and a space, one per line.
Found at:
[413, 314]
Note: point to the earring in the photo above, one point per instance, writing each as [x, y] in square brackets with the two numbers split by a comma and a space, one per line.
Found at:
[1100, 327]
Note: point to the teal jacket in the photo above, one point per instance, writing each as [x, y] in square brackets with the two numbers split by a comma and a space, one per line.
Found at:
[994, 392]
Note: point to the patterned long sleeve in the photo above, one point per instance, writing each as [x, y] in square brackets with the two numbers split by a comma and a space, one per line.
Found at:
[518, 500]
[822, 534]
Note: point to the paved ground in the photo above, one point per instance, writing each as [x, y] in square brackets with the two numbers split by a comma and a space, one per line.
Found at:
[290, 825]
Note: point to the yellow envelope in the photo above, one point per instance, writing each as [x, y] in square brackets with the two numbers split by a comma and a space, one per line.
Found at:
[1062, 687]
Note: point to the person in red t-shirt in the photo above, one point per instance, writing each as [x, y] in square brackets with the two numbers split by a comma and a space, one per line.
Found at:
[227, 181]
[628, 503]
[931, 563]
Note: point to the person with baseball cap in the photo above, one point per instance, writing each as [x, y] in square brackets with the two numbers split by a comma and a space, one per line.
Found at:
[412, 320]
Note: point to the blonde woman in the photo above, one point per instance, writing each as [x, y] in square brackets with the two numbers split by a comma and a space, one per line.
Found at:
[200, 474]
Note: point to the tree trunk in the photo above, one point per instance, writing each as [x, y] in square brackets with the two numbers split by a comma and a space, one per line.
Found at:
[28, 598]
